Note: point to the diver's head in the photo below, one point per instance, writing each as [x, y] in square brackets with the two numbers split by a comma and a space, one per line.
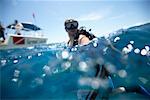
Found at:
[71, 26]
[16, 21]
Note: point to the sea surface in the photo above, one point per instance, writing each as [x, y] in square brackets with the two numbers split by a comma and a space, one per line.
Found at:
[55, 71]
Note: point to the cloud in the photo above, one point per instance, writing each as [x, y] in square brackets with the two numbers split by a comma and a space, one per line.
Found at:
[117, 17]
[90, 17]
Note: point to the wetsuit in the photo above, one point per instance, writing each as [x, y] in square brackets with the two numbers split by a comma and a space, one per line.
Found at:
[100, 71]
[2, 32]
[82, 32]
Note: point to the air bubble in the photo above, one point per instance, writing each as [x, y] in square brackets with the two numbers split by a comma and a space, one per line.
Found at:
[143, 52]
[122, 73]
[125, 50]
[43, 75]
[66, 65]
[83, 66]
[29, 57]
[137, 51]
[15, 61]
[47, 69]
[111, 68]
[3, 62]
[37, 82]
[39, 54]
[14, 79]
[116, 39]
[95, 44]
[55, 71]
[74, 49]
[147, 48]
[132, 42]
[130, 47]
[65, 54]
[16, 73]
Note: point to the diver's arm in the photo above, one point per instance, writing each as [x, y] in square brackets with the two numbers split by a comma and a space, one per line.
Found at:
[83, 40]
[115, 49]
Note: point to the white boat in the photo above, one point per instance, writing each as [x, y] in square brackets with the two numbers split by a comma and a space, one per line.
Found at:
[30, 36]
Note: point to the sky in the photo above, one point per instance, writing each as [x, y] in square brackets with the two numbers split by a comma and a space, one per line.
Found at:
[102, 16]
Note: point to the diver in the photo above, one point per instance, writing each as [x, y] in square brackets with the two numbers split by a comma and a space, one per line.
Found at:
[18, 27]
[77, 36]
[82, 37]
[2, 29]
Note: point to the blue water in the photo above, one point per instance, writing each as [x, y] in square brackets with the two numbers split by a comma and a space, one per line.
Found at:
[56, 71]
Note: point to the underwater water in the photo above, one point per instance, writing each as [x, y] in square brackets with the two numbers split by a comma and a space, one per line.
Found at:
[56, 71]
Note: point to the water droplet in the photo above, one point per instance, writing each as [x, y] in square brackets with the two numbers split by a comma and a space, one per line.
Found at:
[83, 66]
[130, 47]
[29, 57]
[37, 82]
[132, 42]
[116, 39]
[15, 61]
[105, 49]
[39, 54]
[58, 55]
[120, 89]
[14, 79]
[65, 54]
[95, 44]
[147, 48]
[125, 50]
[55, 71]
[74, 49]
[66, 65]
[122, 73]
[143, 52]
[111, 68]
[3, 62]
[70, 57]
[137, 50]
[16, 73]
[43, 75]
[47, 69]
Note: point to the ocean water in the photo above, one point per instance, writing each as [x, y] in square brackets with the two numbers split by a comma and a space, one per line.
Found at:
[56, 71]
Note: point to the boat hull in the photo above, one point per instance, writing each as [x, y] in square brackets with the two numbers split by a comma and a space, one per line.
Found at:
[19, 41]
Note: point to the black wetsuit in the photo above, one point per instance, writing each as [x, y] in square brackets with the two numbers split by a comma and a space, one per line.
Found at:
[2, 32]
[100, 71]
[82, 32]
